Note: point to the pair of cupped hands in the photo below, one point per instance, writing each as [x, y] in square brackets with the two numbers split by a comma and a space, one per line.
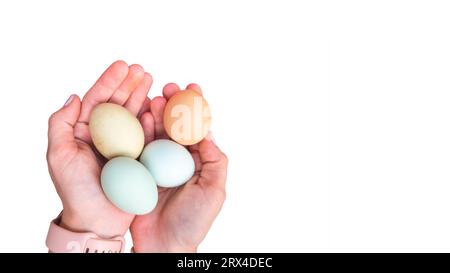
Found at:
[182, 216]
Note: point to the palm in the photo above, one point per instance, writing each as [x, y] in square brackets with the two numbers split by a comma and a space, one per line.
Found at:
[73, 164]
[184, 214]
[86, 192]
[181, 219]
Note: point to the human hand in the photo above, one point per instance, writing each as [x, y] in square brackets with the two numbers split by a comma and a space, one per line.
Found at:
[183, 215]
[74, 165]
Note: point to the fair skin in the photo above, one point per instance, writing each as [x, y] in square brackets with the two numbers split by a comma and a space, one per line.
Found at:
[183, 215]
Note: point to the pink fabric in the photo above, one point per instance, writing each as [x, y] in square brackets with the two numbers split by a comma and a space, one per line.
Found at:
[60, 240]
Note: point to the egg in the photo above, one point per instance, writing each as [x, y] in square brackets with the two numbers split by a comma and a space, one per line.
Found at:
[115, 131]
[129, 185]
[187, 117]
[170, 163]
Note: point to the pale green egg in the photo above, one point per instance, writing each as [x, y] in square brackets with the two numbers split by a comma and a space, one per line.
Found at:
[129, 185]
[170, 163]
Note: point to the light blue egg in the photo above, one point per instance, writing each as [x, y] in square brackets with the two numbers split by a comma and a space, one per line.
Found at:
[129, 185]
[170, 163]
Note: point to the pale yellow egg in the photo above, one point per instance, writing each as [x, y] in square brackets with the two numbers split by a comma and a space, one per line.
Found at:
[115, 131]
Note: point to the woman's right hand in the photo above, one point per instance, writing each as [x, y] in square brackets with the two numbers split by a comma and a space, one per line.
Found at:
[74, 166]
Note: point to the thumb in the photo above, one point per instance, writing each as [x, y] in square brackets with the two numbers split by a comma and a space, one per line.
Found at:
[214, 162]
[61, 123]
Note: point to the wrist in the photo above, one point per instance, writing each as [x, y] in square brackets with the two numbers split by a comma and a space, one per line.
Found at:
[62, 240]
[75, 223]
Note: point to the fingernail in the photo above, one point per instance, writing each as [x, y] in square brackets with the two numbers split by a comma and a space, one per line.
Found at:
[210, 137]
[69, 100]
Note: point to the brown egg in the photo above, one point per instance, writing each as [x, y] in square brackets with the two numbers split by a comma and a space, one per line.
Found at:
[187, 117]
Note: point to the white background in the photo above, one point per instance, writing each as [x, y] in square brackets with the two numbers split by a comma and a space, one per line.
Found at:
[335, 114]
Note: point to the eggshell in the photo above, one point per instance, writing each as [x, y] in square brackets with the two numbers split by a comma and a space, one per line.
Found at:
[129, 185]
[115, 131]
[170, 163]
[187, 117]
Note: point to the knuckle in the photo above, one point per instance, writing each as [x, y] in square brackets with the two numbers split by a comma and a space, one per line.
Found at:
[48, 156]
[51, 158]
[220, 194]
[53, 118]
[55, 153]
[224, 195]
[225, 159]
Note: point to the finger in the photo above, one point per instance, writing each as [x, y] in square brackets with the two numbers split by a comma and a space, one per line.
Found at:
[123, 92]
[81, 132]
[193, 149]
[148, 124]
[157, 108]
[195, 87]
[197, 161]
[104, 88]
[170, 89]
[137, 97]
[145, 107]
[61, 123]
[214, 163]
